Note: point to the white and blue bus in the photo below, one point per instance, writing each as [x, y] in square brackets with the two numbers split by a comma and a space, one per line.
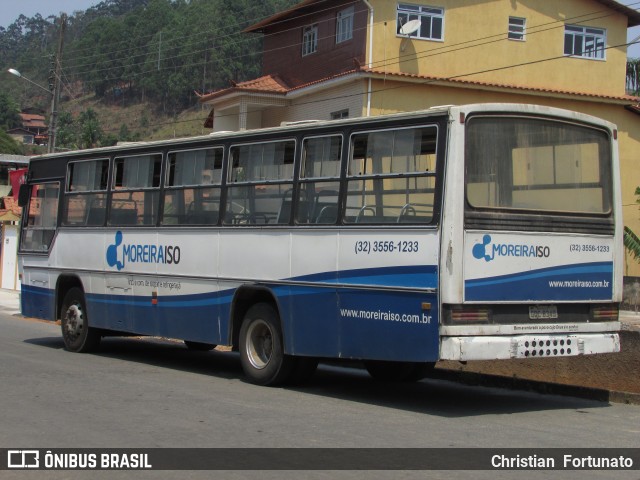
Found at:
[478, 232]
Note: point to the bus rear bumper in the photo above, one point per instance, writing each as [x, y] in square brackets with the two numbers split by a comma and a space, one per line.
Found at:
[527, 346]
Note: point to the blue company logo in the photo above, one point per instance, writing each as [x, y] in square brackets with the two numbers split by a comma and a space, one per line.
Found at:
[119, 253]
[488, 251]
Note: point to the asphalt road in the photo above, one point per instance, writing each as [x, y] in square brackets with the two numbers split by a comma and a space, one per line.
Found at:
[143, 394]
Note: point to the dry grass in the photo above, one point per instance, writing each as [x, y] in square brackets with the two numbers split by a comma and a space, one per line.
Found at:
[140, 119]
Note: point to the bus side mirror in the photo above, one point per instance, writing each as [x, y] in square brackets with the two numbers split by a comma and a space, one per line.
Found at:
[23, 195]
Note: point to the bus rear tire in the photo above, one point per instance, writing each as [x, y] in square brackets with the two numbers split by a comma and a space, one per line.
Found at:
[397, 371]
[199, 346]
[261, 347]
[77, 335]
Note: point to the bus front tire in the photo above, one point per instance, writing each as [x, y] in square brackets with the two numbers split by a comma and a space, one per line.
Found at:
[261, 348]
[78, 336]
[397, 371]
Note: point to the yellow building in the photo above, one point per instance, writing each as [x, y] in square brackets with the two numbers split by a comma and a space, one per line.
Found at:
[337, 58]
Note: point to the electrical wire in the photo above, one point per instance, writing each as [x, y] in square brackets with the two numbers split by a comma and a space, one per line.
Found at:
[445, 49]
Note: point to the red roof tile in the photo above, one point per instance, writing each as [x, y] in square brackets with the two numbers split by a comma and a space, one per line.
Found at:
[11, 205]
[265, 84]
[30, 120]
[432, 79]
[272, 84]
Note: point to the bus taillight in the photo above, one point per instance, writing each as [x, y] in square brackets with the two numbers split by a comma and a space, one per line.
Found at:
[468, 315]
[605, 313]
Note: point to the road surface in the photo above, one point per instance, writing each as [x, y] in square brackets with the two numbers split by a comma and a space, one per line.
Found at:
[144, 394]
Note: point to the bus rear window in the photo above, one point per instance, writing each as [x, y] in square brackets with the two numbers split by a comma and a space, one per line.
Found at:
[537, 165]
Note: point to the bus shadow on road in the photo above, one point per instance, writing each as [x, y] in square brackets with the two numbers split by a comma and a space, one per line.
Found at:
[162, 353]
[447, 395]
[444, 396]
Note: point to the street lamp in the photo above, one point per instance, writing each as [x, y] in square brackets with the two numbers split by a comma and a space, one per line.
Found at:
[52, 120]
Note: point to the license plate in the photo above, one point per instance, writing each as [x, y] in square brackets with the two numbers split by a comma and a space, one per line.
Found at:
[541, 312]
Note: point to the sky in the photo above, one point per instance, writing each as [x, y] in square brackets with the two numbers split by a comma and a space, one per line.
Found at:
[10, 10]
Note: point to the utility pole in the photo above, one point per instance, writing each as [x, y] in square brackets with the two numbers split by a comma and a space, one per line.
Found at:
[159, 50]
[57, 70]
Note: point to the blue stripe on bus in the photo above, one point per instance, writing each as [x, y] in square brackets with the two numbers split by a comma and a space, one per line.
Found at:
[313, 320]
[319, 321]
[418, 276]
[588, 281]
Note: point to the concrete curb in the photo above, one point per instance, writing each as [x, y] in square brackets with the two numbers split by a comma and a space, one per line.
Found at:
[547, 388]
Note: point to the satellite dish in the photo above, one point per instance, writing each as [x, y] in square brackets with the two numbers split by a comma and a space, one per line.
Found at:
[410, 27]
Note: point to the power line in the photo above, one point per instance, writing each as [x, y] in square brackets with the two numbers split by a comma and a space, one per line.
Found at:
[404, 85]
[449, 48]
[208, 39]
[236, 26]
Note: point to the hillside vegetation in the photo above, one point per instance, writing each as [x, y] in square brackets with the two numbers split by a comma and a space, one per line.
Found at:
[131, 68]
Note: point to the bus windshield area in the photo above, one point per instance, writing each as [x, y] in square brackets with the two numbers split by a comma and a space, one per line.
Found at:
[537, 165]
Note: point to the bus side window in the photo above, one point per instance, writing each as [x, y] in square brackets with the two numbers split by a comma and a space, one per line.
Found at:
[319, 180]
[85, 199]
[260, 183]
[392, 176]
[135, 197]
[192, 188]
[42, 215]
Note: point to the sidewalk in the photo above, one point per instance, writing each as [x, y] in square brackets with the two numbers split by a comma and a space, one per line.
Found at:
[10, 301]
[630, 320]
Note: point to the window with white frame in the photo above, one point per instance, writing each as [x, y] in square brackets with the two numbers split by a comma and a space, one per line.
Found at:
[309, 39]
[431, 20]
[585, 42]
[340, 114]
[517, 28]
[344, 25]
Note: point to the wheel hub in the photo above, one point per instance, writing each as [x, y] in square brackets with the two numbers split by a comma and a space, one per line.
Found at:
[74, 320]
[259, 345]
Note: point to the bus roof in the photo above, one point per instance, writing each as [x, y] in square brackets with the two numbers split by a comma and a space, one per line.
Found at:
[449, 110]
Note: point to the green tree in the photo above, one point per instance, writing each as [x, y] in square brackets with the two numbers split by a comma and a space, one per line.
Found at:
[125, 135]
[67, 131]
[9, 112]
[9, 145]
[89, 128]
[631, 240]
[633, 76]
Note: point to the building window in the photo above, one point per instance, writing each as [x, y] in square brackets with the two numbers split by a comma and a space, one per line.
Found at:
[344, 25]
[431, 20]
[517, 28]
[340, 114]
[309, 39]
[584, 42]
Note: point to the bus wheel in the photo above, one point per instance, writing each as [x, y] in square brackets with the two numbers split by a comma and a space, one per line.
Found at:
[397, 371]
[199, 346]
[78, 336]
[261, 348]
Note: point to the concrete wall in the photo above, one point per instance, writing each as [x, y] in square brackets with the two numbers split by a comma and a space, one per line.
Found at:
[475, 41]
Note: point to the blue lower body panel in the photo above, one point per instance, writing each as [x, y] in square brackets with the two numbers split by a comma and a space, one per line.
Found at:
[38, 303]
[322, 321]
